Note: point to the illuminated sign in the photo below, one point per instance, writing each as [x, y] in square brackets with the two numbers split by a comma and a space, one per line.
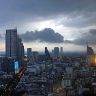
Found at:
[16, 63]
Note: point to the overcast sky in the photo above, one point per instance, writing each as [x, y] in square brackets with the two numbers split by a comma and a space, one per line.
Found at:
[40, 23]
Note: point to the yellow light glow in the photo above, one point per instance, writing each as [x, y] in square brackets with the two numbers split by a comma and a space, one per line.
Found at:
[93, 60]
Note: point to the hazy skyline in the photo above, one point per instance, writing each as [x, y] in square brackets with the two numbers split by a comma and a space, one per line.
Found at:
[71, 20]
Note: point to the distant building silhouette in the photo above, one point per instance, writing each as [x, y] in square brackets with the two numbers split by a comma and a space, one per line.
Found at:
[35, 55]
[89, 50]
[20, 50]
[90, 56]
[56, 51]
[47, 54]
[61, 50]
[29, 53]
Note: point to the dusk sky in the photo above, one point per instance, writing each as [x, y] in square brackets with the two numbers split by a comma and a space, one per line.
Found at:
[66, 23]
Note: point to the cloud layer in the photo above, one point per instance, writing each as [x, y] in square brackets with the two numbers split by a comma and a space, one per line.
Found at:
[71, 18]
[87, 37]
[46, 35]
[26, 10]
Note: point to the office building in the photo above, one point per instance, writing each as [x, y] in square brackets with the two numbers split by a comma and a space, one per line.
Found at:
[20, 49]
[47, 54]
[35, 55]
[90, 56]
[61, 50]
[14, 46]
[29, 53]
[56, 51]
[11, 43]
[89, 50]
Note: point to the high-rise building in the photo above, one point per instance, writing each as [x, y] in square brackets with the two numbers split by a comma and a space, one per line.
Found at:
[61, 50]
[35, 55]
[20, 49]
[14, 46]
[56, 51]
[89, 50]
[29, 52]
[47, 54]
[11, 43]
[90, 56]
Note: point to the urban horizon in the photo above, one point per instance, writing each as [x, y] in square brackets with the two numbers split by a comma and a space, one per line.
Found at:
[47, 47]
[68, 46]
[33, 26]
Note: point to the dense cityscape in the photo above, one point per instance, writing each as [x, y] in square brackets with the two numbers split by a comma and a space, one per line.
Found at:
[46, 74]
[47, 47]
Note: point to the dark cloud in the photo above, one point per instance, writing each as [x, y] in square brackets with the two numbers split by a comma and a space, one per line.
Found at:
[50, 36]
[92, 32]
[24, 10]
[87, 37]
[46, 35]
[67, 41]
[82, 20]
[45, 7]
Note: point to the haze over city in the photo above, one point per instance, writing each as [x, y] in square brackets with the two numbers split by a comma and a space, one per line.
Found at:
[68, 23]
[47, 47]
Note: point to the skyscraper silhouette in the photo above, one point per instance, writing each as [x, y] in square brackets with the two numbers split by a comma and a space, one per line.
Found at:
[47, 54]
[11, 43]
[14, 45]
[89, 50]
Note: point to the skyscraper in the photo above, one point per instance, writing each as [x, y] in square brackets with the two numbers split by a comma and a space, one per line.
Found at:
[90, 55]
[11, 43]
[14, 46]
[20, 50]
[89, 50]
[61, 50]
[20, 47]
[29, 53]
[47, 54]
[56, 51]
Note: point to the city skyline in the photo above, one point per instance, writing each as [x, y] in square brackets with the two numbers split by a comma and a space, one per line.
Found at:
[47, 47]
[29, 16]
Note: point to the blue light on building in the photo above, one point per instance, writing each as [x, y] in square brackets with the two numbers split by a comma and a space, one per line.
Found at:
[16, 63]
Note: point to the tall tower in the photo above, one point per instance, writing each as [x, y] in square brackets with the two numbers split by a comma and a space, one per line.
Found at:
[20, 50]
[89, 50]
[11, 43]
[29, 53]
[14, 49]
[61, 50]
[56, 51]
[47, 54]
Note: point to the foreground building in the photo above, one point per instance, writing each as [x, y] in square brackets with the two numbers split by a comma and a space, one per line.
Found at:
[11, 43]
[14, 46]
